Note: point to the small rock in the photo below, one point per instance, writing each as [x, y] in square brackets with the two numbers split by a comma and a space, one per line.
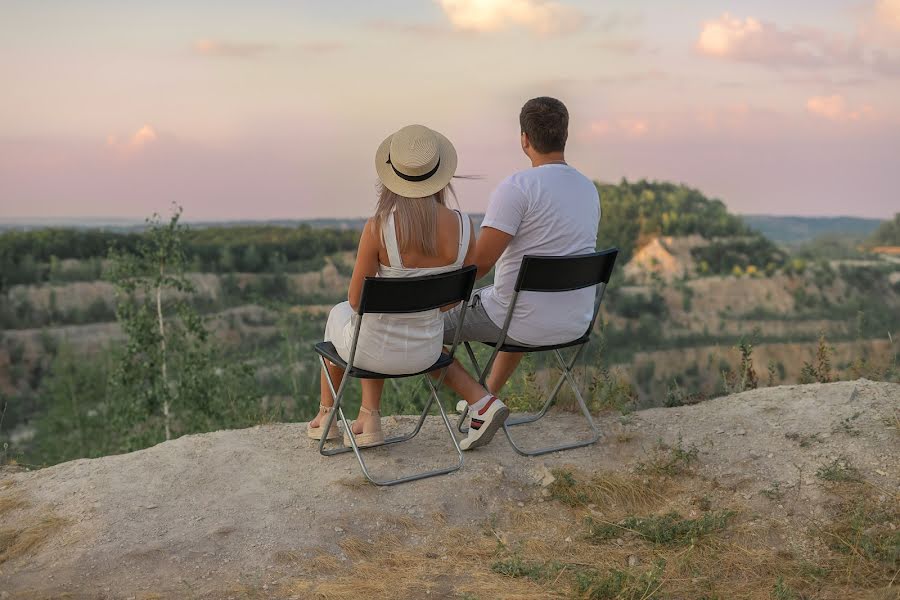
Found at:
[520, 504]
[882, 473]
[620, 542]
[339, 530]
[633, 561]
[741, 432]
[151, 506]
[568, 539]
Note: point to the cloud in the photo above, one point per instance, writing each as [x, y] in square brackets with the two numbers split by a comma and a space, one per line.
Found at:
[540, 17]
[144, 136]
[888, 13]
[835, 108]
[628, 127]
[761, 42]
[225, 49]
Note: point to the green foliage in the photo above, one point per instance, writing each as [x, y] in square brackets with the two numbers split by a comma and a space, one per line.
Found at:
[166, 379]
[669, 529]
[633, 211]
[738, 255]
[37, 256]
[637, 305]
[820, 371]
[839, 470]
[620, 585]
[671, 461]
[783, 591]
[888, 233]
[536, 571]
[745, 378]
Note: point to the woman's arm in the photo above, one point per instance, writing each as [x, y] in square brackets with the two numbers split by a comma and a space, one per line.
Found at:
[366, 262]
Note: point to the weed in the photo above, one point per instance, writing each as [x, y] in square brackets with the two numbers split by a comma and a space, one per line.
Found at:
[669, 529]
[839, 470]
[773, 492]
[846, 425]
[671, 461]
[620, 585]
[821, 370]
[535, 571]
[804, 440]
[783, 591]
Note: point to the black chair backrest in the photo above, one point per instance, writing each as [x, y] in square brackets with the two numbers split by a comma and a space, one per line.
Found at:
[396, 295]
[565, 273]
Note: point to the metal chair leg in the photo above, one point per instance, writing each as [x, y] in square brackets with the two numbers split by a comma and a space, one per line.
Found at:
[339, 412]
[417, 476]
[566, 376]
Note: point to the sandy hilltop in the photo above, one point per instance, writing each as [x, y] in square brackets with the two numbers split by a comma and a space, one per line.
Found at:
[765, 483]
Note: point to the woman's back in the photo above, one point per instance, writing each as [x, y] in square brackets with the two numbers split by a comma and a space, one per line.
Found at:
[449, 235]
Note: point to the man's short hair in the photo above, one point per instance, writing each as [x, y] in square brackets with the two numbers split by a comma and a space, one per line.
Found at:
[545, 121]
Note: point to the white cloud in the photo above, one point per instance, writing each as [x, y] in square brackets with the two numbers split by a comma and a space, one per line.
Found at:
[541, 17]
[835, 108]
[888, 13]
[755, 41]
[144, 136]
[631, 127]
[225, 49]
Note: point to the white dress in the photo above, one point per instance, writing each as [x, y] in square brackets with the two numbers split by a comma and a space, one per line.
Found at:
[395, 344]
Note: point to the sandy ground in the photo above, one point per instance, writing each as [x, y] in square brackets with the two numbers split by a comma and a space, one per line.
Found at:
[205, 514]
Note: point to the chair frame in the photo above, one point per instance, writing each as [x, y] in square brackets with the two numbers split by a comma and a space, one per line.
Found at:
[602, 280]
[337, 394]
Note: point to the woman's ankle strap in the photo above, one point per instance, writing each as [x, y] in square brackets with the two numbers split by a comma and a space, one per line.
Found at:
[363, 409]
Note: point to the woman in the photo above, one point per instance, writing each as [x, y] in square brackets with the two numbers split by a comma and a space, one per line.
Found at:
[412, 233]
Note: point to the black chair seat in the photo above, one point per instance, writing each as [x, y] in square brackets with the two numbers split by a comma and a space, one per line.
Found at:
[513, 348]
[327, 350]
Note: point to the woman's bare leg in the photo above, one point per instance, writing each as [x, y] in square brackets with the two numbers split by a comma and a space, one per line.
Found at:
[337, 374]
[371, 399]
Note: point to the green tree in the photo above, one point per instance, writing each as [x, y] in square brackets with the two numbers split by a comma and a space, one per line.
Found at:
[888, 233]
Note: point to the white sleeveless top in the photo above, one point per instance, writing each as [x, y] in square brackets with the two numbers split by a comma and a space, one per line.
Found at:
[389, 343]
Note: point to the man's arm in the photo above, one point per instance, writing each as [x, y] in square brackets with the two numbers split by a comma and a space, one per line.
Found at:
[491, 244]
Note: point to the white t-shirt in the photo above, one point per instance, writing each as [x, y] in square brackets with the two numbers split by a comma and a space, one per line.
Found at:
[551, 210]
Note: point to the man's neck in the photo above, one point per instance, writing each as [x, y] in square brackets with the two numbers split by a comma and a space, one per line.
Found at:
[548, 159]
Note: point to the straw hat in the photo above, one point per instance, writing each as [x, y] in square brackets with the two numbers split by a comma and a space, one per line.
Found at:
[415, 162]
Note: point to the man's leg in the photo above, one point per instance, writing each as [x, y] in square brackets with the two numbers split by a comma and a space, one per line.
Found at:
[459, 380]
[504, 366]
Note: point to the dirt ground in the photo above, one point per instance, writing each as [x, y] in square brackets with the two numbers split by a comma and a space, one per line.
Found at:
[258, 513]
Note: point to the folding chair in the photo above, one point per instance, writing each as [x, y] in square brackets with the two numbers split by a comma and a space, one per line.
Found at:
[398, 296]
[552, 274]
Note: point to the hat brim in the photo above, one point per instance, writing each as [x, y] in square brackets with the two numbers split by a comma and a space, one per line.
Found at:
[417, 189]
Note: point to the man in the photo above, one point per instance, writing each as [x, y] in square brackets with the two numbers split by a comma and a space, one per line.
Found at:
[552, 210]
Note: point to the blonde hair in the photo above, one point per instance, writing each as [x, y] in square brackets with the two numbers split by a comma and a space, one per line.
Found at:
[415, 219]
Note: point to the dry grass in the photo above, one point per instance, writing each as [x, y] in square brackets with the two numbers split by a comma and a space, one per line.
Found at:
[607, 491]
[16, 542]
[544, 550]
[10, 502]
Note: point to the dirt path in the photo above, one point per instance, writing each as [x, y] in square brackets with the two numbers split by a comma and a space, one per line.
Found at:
[233, 513]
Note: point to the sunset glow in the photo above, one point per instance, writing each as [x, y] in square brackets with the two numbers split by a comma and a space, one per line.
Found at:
[274, 110]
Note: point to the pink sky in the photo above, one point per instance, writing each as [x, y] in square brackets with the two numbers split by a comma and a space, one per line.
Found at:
[274, 110]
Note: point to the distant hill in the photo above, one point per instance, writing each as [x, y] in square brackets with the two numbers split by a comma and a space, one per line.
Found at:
[796, 230]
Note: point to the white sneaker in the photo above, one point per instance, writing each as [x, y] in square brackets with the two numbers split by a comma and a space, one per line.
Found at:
[485, 423]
